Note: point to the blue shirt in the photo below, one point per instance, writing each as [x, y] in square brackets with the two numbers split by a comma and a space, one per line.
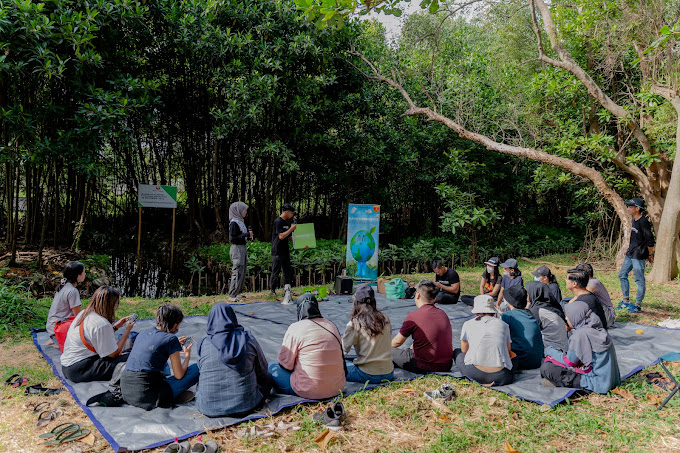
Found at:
[221, 389]
[508, 282]
[605, 374]
[151, 351]
[527, 341]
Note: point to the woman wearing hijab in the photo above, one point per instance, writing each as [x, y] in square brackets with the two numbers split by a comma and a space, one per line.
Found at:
[590, 362]
[311, 363]
[548, 312]
[238, 235]
[234, 379]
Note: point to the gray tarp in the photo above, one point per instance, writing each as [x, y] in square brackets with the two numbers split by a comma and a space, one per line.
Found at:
[131, 428]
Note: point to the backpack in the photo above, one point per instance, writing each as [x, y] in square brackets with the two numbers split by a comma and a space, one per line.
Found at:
[395, 288]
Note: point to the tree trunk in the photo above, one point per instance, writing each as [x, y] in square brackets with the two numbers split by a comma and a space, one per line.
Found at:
[666, 258]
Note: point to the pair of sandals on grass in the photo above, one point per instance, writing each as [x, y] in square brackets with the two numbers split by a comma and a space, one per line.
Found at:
[61, 434]
[16, 381]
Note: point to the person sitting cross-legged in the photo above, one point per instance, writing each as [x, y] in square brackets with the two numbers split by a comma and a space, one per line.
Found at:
[577, 283]
[448, 283]
[430, 328]
[370, 332]
[525, 332]
[550, 317]
[484, 355]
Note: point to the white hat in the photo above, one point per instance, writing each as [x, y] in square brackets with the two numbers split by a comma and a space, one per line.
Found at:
[484, 304]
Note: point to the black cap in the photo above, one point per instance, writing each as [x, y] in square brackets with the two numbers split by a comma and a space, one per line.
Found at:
[638, 202]
[542, 271]
[516, 296]
[364, 292]
[492, 261]
[287, 207]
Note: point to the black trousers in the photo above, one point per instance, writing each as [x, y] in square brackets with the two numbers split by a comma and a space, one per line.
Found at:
[502, 377]
[93, 368]
[560, 376]
[446, 298]
[280, 263]
[468, 300]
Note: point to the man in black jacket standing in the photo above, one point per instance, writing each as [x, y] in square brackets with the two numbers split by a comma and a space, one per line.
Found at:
[281, 233]
[640, 249]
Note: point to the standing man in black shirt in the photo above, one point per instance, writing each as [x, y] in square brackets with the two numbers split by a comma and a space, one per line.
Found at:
[448, 283]
[640, 249]
[280, 252]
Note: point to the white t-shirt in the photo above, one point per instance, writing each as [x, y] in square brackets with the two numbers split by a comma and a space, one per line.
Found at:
[488, 338]
[62, 306]
[97, 331]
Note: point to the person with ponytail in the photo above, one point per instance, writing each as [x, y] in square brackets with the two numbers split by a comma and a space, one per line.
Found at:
[91, 351]
[66, 302]
[370, 333]
[233, 380]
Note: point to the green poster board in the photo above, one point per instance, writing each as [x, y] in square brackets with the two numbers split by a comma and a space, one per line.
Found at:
[304, 236]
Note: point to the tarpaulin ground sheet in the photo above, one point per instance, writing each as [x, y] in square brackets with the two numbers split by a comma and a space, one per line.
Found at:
[131, 428]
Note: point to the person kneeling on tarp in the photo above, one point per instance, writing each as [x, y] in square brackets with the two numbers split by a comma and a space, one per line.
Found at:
[431, 331]
[311, 363]
[370, 332]
[484, 355]
[590, 363]
[234, 379]
[145, 382]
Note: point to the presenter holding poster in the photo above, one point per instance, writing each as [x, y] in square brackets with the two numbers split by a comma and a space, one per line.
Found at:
[281, 235]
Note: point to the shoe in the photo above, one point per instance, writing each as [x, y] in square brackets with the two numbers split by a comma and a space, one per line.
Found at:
[178, 447]
[235, 299]
[634, 308]
[339, 410]
[272, 294]
[208, 447]
[624, 305]
[184, 397]
[446, 392]
[329, 418]
[286, 295]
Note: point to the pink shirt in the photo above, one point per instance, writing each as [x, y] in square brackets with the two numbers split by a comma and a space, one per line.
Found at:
[315, 357]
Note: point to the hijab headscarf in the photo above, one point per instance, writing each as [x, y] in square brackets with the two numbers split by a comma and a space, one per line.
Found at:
[588, 335]
[236, 211]
[228, 337]
[308, 307]
[539, 296]
[516, 296]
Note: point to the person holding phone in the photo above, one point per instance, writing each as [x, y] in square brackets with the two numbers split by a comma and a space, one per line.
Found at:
[147, 381]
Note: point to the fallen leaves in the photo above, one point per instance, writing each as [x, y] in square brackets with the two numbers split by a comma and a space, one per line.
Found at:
[325, 438]
[624, 393]
[509, 448]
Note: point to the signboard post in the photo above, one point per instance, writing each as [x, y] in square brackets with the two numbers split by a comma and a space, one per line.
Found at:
[156, 196]
[304, 236]
[363, 222]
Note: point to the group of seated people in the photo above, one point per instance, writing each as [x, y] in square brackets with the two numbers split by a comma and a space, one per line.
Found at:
[514, 329]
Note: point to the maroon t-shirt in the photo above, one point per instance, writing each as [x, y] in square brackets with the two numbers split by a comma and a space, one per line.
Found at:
[432, 338]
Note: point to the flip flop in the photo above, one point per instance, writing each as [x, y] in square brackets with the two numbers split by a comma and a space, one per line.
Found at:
[39, 389]
[47, 417]
[59, 429]
[17, 381]
[663, 383]
[41, 406]
[10, 380]
[68, 436]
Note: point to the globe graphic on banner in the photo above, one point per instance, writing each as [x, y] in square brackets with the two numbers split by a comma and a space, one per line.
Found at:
[362, 247]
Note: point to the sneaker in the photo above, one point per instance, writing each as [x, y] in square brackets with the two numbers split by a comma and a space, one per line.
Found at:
[339, 410]
[329, 418]
[624, 305]
[184, 397]
[286, 296]
[446, 392]
[234, 299]
[634, 308]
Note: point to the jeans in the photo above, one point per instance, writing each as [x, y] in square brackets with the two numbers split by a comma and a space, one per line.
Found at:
[281, 378]
[354, 374]
[638, 267]
[180, 385]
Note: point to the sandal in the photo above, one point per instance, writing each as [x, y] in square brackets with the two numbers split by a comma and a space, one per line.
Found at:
[60, 429]
[41, 406]
[68, 436]
[17, 381]
[39, 389]
[47, 417]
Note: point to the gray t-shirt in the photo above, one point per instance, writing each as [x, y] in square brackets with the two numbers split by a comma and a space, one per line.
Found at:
[374, 354]
[553, 330]
[97, 331]
[488, 338]
[601, 292]
[62, 306]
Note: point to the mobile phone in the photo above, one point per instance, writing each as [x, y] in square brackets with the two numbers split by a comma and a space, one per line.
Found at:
[188, 342]
[133, 317]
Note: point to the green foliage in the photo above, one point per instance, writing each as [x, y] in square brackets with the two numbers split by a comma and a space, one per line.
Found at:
[18, 310]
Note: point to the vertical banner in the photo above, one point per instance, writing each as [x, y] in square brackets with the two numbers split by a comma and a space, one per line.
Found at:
[363, 223]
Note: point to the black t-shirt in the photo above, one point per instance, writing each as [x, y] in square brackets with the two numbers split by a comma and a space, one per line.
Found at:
[449, 278]
[641, 237]
[595, 306]
[280, 247]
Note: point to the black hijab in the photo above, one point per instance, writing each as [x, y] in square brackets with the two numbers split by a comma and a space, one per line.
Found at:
[228, 336]
[539, 296]
[307, 307]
